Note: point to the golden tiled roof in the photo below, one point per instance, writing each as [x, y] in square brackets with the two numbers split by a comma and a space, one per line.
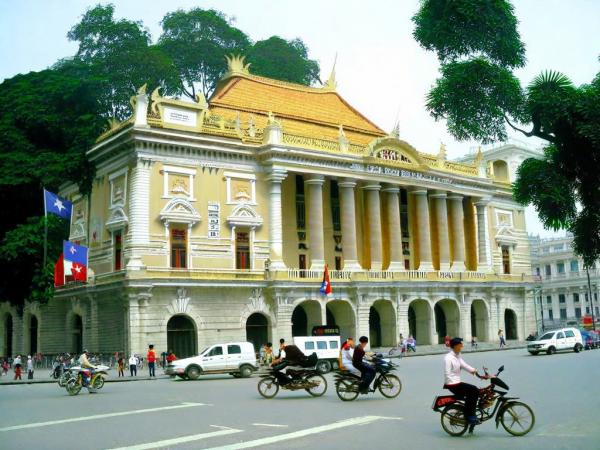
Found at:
[301, 110]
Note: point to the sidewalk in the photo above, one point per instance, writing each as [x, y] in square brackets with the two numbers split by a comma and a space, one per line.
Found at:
[438, 349]
[42, 376]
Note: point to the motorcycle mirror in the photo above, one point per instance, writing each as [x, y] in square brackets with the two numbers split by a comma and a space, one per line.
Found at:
[501, 369]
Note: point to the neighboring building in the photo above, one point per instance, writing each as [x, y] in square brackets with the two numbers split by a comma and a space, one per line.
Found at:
[562, 290]
[213, 221]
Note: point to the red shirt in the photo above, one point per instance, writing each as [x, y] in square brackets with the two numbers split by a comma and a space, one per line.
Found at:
[151, 356]
[171, 357]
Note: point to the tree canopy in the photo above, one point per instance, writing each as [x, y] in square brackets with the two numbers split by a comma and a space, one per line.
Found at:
[478, 46]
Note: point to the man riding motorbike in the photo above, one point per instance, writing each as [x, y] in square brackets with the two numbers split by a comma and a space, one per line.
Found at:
[289, 355]
[367, 371]
[453, 364]
[86, 364]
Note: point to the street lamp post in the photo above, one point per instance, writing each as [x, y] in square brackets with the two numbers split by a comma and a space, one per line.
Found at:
[587, 269]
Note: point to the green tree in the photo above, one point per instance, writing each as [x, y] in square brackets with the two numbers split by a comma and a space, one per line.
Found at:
[197, 42]
[283, 60]
[478, 46]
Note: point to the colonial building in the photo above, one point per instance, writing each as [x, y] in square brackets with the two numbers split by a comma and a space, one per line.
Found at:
[213, 221]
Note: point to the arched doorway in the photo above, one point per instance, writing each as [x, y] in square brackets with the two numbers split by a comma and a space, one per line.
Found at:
[340, 314]
[447, 319]
[419, 322]
[510, 324]
[479, 320]
[257, 330]
[33, 335]
[374, 328]
[306, 316]
[77, 342]
[181, 336]
[8, 335]
[387, 323]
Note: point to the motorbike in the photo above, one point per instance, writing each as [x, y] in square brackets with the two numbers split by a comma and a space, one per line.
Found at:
[516, 417]
[97, 378]
[388, 384]
[293, 380]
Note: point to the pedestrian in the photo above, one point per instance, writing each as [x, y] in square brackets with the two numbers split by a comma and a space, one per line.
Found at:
[133, 362]
[447, 341]
[501, 338]
[5, 367]
[281, 345]
[269, 356]
[411, 344]
[17, 366]
[171, 357]
[473, 341]
[120, 366]
[30, 368]
[151, 357]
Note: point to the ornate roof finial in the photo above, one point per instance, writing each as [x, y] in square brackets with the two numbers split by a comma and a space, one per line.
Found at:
[478, 156]
[235, 65]
[331, 84]
[442, 153]
[396, 130]
[341, 132]
[142, 89]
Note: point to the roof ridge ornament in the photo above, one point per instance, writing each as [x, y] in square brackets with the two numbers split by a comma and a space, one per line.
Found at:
[236, 66]
[442, 152]
[331, 84]
[395, 133]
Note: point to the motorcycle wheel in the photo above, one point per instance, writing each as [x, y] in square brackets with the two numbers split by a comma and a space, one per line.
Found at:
[62, 381]
[73, 387]
[98, 382]
[390, 386]
[517, 418]
[268, 387]
[346, 390]
[320, 382]
[453, 420]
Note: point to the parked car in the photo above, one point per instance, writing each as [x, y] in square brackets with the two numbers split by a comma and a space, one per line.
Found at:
[590, 339]
[327, 349]
[557, 340]
[235, 358]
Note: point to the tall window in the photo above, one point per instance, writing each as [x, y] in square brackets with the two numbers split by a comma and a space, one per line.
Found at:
[576, 297]
[560, 267]
[506, 259]
[578, 313]
[548, 270]
[242, 250]
[178, 248]
[302, 265]
[561, 298]
[549, 299]
[300, 210]
[574, 266]
[550, 314]
[335, 206]
[563, 313]
[118, 249]
[338, 263]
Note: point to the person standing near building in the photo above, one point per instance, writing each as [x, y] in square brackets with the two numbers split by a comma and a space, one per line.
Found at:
[30, 368]
[17, 366]
[151, 357]
[133, 362]
[120, 365]
[501, 338]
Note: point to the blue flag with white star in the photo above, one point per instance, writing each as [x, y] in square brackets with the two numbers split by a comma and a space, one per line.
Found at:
[56, 205]
[75, 253]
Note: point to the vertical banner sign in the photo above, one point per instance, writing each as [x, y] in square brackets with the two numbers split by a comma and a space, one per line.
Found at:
[214, 220]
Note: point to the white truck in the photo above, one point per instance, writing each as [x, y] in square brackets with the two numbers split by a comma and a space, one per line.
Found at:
[327, 349]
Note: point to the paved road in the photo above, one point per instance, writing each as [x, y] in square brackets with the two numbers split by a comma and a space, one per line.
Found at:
[222, 412]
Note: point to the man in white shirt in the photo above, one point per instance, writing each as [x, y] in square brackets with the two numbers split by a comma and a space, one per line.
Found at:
[347, 353]
[453, 364]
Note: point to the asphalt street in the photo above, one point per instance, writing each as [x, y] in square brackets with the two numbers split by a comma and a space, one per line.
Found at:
[219, 412]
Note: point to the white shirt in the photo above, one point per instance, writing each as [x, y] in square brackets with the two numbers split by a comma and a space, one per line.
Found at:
[347, 361]
[133, 361]
[453, 364]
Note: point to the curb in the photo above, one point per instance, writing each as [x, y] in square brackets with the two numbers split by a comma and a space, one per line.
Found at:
[109, 380]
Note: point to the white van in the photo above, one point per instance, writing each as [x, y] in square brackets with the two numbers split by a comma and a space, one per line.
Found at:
[235, 358]
[557, 340]
[327, 349]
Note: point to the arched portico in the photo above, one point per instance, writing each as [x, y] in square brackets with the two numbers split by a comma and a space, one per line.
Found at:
[7, 335]
[447, 319]
[257, 330]
[305, 316]
[420, 321]
[510, 324]
[31, 334]
[76, 334]
[382, 324]
[182, 336]
[479, 320]
[342, 315]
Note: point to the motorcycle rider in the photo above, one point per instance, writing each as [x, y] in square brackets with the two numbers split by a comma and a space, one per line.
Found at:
[86, 364]
[367, 371]
[289, 355]
[453, 364]
[346, 357]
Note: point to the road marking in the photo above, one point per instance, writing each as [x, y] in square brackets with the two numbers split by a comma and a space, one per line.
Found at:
[100, 416]
[181, 440]
[306, 432]
[269, 425]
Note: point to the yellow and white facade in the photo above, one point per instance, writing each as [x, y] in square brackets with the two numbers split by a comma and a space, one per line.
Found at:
[212, 221]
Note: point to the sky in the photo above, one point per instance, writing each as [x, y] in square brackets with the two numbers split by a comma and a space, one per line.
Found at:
[380, 69]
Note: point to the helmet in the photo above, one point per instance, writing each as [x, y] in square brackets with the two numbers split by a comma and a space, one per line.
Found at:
[85, 351]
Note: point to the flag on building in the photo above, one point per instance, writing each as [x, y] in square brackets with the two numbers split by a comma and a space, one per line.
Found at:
[76, 261]
[325, 285]
[56, 205]
[59, 272]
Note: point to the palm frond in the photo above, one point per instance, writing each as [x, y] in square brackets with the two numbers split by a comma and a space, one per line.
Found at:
[550, 80]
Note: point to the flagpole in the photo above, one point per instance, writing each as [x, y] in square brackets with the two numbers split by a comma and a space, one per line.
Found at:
[45, 231]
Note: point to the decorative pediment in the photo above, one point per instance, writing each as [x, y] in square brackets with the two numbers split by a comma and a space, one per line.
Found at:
[180, 304]
[395, 151]
[77, 231]
[244, 215]
[506, 236]
[117, 219]
[179, 210]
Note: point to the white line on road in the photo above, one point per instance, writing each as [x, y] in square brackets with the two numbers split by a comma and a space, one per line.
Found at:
[100, 416]
[274, 425]
[306, 432]
[182, 440]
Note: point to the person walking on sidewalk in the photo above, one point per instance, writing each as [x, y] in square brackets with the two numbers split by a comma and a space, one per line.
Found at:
[120, 366]
[501, 338]
[133, 362]
[151, 357]
[30, 368]
[17, 365]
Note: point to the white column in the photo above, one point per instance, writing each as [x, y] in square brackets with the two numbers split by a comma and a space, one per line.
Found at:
[374, 211]
[139, 213]
[315, 222]
[394, 228]
[348, 212]
[275, 219]
[423, 230]
[441, 213]
[458, 233]
[483, 249]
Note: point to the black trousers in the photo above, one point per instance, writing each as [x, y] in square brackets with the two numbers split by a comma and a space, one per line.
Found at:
[471, 394]
[133, 369]
[367, 375]
[151, 369]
